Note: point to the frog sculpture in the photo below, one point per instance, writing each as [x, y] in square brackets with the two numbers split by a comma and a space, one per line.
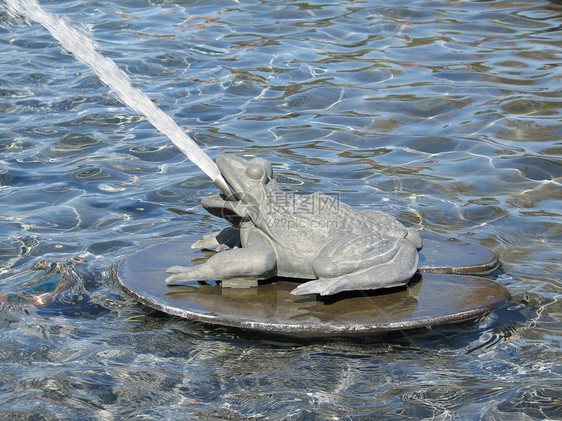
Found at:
[314, 237]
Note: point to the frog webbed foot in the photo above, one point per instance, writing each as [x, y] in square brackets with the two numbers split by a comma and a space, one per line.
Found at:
[381, 263]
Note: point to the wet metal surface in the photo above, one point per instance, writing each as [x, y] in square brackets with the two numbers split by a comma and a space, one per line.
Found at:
[448, 254]
[429, 300]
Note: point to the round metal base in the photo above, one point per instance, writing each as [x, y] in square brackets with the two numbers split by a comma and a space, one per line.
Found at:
[430, 299]
[442, 254]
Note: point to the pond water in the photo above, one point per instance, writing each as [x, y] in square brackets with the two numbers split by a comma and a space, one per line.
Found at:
[446, 114]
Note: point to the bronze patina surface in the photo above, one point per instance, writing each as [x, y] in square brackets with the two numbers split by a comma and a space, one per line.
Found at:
[314, 237]
[430, 299]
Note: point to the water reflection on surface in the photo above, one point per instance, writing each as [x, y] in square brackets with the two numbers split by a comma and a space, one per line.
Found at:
[445, 114]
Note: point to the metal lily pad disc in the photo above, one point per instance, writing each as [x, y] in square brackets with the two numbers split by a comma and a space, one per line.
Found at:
[441, 254]
[429, 300]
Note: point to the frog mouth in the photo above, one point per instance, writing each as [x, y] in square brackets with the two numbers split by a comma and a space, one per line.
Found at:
[232, 168]
[229, 207]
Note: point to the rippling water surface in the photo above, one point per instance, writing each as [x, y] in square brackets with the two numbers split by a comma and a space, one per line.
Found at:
[445, 113]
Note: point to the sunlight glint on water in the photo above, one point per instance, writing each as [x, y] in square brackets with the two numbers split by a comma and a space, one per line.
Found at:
[84, 49]
[444, 113]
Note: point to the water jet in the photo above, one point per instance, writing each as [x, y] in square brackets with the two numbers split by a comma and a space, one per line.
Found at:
[85, 50]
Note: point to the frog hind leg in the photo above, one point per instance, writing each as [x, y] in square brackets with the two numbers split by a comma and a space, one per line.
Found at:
[388, 263]
[394, 226]
[257, 261]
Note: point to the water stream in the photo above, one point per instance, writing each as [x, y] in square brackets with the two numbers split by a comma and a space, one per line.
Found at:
[84, 49]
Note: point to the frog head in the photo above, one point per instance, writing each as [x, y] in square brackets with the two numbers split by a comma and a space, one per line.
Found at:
[250, 180]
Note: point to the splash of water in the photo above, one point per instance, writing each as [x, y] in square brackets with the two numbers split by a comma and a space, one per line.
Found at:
[84, 49]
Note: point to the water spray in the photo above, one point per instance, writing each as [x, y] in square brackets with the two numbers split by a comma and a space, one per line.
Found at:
[84, 49]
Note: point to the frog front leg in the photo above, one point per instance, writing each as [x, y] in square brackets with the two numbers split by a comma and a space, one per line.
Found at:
[361, 263]
[256, 261]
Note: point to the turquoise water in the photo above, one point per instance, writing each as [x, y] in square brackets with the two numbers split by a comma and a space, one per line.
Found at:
[445, 113]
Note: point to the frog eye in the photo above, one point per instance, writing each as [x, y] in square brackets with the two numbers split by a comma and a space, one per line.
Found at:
[255, 172]
[265, 164]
